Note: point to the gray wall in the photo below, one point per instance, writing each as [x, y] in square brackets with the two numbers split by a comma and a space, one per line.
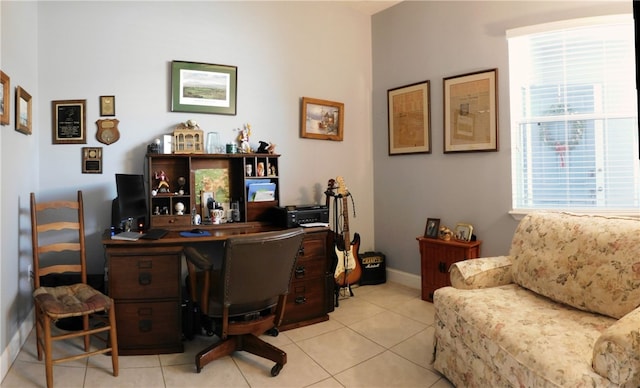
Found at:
[416, 41]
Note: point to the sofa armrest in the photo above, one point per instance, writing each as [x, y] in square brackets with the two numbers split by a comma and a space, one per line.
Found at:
[481, 273]
[616, 353]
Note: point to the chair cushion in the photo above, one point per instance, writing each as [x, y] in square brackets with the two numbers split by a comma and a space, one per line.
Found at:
[69, 301]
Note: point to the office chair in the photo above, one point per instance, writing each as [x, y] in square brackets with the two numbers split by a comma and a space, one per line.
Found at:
[57, 234]
[248, 296]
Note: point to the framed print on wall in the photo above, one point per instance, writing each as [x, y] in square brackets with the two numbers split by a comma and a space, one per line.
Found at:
[322, 119]
[69, 122]
[409, 119]
[5, 100]
[107, 105]
[471, 112]
[203, 88]
[23, 111]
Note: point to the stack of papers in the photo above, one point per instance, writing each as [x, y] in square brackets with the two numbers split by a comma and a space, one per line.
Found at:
[127, 236]
[259, 192]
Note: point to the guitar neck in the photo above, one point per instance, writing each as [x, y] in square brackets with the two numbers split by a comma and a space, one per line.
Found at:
[345, 229]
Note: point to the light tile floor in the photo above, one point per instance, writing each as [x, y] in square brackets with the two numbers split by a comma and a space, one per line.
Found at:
[381, 337]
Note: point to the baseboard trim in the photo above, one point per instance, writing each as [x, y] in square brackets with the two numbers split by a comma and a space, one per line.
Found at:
[404, 278]
[10, 353]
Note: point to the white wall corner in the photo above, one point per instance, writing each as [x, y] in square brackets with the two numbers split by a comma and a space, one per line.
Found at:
[10, 353]
[404, 278]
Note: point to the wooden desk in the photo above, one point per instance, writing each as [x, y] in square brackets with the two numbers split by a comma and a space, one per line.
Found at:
[145, 281]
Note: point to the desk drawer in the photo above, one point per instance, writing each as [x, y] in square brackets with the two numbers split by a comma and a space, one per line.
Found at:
[314, 246]
[306, 300]
[310, 267]
[148, 324]
[140, 277]
[168, 221]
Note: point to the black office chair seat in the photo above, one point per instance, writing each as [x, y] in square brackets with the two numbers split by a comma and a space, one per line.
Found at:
[246, 298]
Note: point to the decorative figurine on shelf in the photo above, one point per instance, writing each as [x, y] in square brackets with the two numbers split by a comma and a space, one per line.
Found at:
[266, 148]
[181, 183]
[271, 170]
[445, 233]
[243, 138]
[260, 171]
[163, 181]
[179, 207]
[191, 124]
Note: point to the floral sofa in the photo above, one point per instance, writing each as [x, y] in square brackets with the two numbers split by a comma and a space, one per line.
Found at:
[561, 310]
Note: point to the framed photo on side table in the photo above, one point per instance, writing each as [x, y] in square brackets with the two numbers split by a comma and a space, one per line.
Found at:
[5, 100]
[463, 232]
[471, 112]
[203, 88]
[409, 119]
[24, 113]
[322, 119]
[69, 122]
[432, 228]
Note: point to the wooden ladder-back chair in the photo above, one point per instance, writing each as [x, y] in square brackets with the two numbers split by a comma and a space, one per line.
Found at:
[249, 297]
[57, 233]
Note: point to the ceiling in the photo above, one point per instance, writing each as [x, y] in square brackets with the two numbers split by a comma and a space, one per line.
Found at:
[371, 7]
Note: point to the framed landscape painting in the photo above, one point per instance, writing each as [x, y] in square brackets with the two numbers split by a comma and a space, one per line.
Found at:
[203, 88]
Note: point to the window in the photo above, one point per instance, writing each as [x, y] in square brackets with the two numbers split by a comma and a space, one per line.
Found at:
[574, 116]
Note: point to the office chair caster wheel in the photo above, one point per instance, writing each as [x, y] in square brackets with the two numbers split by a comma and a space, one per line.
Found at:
[276, 369]
[273, 332]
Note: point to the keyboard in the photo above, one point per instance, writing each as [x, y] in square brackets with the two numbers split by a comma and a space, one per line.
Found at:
[154, 234]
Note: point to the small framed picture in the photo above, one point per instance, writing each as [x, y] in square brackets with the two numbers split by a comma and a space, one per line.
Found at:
[322, 119]
[92, 160]
[4, 98]
[69, 122]
[432, 228]
[107, 105]
[23, 111]
[463, 232]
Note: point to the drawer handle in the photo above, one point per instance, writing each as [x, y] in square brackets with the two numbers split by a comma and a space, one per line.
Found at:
[145, 325]
[300, 300]
[300, 271]
[144, 278]
[145, 264]
[301, 251]
[442, 267]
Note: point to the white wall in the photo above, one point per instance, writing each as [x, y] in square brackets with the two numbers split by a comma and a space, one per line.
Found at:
[18, 170]
[430, 40]
[82, 50]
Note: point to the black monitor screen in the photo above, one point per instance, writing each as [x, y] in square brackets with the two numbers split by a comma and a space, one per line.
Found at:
[132, 199]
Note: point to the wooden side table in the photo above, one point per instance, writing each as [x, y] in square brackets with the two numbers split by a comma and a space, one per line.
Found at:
[437, 256]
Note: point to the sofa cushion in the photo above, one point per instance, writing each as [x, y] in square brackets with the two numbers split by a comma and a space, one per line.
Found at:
[588, 262]
[530, 340]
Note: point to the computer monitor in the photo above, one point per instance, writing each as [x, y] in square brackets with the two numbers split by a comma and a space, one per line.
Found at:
[131, 202]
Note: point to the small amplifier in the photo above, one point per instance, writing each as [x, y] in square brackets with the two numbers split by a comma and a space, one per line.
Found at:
[293, 216]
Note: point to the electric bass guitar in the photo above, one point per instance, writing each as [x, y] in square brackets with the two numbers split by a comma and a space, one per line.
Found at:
[348, 270]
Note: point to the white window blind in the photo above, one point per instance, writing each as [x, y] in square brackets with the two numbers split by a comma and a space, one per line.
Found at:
[574, 116]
